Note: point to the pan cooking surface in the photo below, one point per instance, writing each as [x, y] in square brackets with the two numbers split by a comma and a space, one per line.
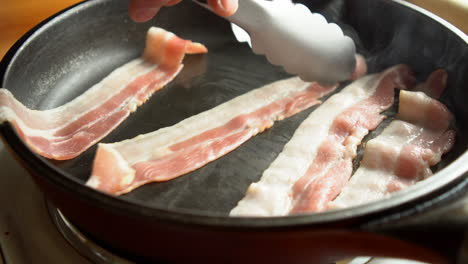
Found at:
[79, 48]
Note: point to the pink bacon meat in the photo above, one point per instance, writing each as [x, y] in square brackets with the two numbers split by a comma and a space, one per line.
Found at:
[173, 151]
[404, 152]
[317, 162]
[66, 131]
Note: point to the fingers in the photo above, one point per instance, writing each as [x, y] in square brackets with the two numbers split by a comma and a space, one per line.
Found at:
[144, 10]
[224, 7]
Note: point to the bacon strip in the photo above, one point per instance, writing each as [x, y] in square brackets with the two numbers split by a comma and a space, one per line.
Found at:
[317, 162]
[66, 131]
[406, 149]
[173, 151]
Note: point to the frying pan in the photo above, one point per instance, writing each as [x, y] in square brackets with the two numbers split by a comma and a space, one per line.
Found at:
[185, 220]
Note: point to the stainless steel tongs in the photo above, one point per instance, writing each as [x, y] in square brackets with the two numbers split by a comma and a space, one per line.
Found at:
[304, 43]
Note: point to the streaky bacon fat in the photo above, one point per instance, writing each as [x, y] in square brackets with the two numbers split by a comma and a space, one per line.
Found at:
[406, 149]
[66, 131]
[173, 151]
[317, 162]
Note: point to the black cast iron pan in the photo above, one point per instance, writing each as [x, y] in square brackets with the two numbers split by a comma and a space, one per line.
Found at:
[185, 220]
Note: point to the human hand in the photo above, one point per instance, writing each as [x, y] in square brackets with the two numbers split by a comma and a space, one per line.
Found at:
[144, 10]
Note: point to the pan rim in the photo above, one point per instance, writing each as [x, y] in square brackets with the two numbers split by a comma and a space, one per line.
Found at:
[446, 178]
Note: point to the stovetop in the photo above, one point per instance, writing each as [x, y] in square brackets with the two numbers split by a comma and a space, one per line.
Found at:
[27, 233]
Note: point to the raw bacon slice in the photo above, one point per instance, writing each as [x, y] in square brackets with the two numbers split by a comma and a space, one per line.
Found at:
[66, 131]
[406, 149]
[316, 163]
[173, 151]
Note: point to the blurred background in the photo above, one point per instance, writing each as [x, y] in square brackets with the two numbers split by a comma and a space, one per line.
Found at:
[18, 16]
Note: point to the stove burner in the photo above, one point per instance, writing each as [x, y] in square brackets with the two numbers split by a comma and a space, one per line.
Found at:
[83, 245]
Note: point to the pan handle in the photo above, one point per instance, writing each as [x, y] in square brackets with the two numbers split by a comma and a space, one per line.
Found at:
[440, 224]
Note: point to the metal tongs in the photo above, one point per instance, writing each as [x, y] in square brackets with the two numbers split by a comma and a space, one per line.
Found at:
[304, 43]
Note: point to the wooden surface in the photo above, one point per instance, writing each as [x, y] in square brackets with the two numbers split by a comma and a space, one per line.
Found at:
[18, 16]
[454, 11]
